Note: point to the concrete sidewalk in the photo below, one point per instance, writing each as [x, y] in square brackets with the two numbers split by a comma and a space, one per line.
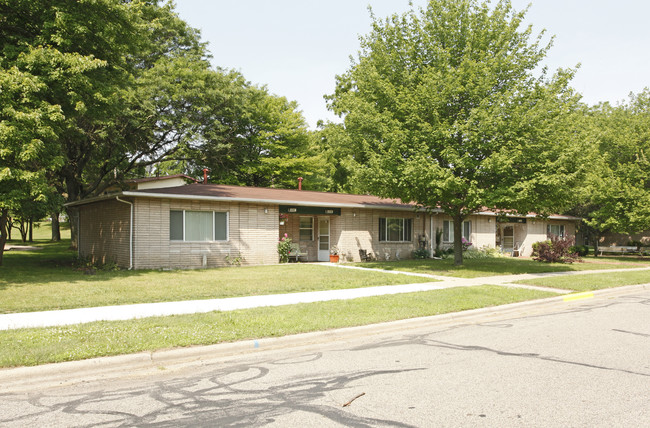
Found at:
[143, 310]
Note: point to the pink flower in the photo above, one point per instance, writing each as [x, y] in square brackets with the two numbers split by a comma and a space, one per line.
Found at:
[286, 236]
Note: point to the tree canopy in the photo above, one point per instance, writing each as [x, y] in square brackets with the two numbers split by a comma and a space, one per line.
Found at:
[616, 196]
[131, 86]
[27, 143]
[444, 109]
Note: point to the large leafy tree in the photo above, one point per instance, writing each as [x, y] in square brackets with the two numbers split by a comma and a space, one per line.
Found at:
[254, 138]
[129, 78]
[27, 144]
[617, 195]
[444, 109]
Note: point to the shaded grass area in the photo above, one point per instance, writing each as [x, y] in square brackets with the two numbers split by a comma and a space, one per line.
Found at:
[474, 268]
[594, 281]
[46, 280]
[27, 347]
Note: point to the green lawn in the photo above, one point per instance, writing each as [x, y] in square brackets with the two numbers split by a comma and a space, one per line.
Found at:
[42, 231]
[592, 281]
[474, 268]
[28, 347]
[46, 280]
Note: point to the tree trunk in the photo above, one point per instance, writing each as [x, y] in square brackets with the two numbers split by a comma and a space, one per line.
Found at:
[4, 215]
[458, 240]
[9, 225]
[56, 228]
[31, 230]
[22, 228]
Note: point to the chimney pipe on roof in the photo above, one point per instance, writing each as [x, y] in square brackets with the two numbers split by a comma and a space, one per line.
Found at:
[299, 183]
[205, 175]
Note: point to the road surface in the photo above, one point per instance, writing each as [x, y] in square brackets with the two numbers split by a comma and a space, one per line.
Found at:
[583, 363]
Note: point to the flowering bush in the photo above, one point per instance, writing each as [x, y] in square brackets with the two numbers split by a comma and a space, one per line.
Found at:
[284, 247]
[555, 250]
[466, 244]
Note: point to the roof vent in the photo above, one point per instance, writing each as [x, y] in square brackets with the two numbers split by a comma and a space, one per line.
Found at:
[299, 183]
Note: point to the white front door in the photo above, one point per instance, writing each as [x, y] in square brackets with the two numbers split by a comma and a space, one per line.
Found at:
[323, 239]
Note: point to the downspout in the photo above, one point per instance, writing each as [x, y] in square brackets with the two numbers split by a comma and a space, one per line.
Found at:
[117, 198]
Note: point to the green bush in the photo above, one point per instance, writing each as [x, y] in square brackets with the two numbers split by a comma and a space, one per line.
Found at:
[637, 244]
[581, 250]
[482, 253]
[421, 253]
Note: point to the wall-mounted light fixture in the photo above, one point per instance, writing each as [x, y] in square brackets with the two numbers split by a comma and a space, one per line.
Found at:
[489, 220]
[266, 210]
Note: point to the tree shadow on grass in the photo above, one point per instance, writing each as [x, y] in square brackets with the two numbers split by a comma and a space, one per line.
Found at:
[490, 266]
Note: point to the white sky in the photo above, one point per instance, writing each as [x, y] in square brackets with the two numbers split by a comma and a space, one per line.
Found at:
[297, 47]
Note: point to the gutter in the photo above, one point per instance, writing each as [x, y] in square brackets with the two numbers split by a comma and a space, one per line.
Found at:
[117, 198]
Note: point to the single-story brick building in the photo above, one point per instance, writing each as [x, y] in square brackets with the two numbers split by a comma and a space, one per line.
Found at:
[205, 225]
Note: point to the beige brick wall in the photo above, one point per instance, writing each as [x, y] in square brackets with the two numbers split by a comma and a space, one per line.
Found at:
[484, 231]
[253, 234]
[104, 232]
[358, 229]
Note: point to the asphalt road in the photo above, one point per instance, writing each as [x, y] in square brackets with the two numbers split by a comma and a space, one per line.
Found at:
[583, 363]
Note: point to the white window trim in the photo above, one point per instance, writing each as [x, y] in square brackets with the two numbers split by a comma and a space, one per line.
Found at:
[213, 227]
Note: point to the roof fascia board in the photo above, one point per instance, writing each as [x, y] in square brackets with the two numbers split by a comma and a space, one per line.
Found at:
[268, 201]
[93, 199]
[550, 217]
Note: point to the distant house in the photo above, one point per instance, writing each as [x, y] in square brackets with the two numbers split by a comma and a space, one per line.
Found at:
[624, 239]
[203, 225]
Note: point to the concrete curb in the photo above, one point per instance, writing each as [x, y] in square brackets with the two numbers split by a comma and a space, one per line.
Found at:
[28, 378]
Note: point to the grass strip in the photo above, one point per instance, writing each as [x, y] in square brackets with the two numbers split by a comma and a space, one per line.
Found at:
[474, 268]
[593, 281]
[45, 280]
[28, 347]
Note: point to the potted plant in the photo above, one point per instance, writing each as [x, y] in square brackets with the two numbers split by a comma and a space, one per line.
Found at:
[334, 254]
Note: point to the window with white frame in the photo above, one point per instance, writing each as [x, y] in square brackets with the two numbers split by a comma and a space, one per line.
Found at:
[306, 228]
[198, 226]
[555, 229]
[448, 230]
[395, 229]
